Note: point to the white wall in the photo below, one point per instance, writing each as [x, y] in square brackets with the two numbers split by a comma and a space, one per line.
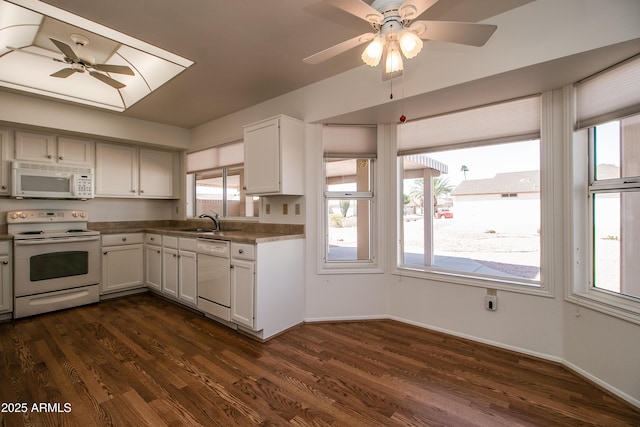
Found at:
[100, 209]
[22, 111]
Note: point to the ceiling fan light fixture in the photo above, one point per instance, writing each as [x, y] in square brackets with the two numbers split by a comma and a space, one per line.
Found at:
[393, 60]
[410, 44]
[373, 52]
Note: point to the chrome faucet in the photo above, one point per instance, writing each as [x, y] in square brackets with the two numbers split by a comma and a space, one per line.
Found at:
[215, 218]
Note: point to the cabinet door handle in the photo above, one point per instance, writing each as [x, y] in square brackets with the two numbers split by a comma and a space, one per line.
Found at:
[124, 239]
[4, 187]
[49, 156]
[240, 251]
[104, 253]
[141, 191]
[231, 266]
[61, 158]
[5, 262]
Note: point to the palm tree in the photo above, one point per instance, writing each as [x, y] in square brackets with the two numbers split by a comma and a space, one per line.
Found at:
[464, 169]
[417, 192]
[441, 187]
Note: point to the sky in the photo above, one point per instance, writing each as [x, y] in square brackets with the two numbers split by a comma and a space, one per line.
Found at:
[486, 162]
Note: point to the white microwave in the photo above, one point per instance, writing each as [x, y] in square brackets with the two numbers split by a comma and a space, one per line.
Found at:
[51, 181]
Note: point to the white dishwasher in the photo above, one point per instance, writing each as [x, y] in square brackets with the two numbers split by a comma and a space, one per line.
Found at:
[214, 278]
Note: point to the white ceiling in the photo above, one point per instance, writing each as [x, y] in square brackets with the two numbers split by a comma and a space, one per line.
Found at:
[249, 51]
[245, 51]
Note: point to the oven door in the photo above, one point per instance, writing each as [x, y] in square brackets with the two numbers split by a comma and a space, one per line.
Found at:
[45, 265]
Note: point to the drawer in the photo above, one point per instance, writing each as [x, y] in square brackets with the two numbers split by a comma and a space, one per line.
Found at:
[153, 239]
[186, 244]
[243, 251]
[4, 248]
[170, 242]
[122, 239]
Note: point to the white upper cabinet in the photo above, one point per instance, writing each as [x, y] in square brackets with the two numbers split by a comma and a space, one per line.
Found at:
[116, 170]
[157, 177]
[5, 163]
[75, 151]
[39, 147]
[128, 171]
[274, 157]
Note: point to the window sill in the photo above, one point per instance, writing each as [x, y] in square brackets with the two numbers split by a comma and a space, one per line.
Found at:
[349, 268]
[613, 305]
[505, 284]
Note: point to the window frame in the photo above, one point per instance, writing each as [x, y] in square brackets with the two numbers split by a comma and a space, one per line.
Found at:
[580, 286]
[351, 266]
[548, 239]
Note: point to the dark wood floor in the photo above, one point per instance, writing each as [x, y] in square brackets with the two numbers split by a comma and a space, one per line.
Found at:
[141, 360]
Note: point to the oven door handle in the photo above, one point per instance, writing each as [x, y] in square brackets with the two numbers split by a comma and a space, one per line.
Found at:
[31, 242]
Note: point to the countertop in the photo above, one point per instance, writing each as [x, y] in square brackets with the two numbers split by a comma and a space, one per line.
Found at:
[237, 232]
[237, 236]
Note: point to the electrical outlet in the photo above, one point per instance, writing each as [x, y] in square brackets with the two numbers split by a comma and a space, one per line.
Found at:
[491, 302]
[297, 208]
[267, 209]
[285, 209]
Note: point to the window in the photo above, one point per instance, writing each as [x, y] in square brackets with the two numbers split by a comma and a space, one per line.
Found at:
[348, 209]
[614, 192]
[349, 202]
[472, 195]
[215, 183]
[480, 213]
[605, 172]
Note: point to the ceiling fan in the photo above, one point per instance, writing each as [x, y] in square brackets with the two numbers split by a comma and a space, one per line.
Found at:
[79, 63]
[397, 34]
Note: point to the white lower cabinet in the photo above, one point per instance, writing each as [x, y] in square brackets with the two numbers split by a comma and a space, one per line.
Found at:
[187, 277]
[267, 286]
[153, 261]
[179, 269]
[6, 278]
[243, 284]
[122, 262]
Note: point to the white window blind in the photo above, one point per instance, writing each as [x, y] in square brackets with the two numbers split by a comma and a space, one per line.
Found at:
[216, 157]
[513, 120]
[611, 94]
[350, 141]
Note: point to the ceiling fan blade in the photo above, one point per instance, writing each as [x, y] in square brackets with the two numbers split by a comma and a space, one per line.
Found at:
[338, 49]
[108, 80]
[64, 73]
[358, 8]
[15, 49]
[118, 69]
[411, 9]
[455, 32]
[65, 49]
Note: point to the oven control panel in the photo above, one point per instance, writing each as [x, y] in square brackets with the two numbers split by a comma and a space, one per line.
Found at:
[43, 215]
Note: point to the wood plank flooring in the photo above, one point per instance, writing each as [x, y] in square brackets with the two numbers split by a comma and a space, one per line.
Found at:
[143, 361]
